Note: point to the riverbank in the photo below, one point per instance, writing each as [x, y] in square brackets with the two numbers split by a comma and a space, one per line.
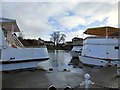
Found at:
[60, 47]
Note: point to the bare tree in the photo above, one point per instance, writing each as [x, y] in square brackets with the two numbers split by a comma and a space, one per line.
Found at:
[57, 37]
[62, 37]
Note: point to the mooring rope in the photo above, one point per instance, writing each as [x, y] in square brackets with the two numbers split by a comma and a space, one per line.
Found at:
[98, 85]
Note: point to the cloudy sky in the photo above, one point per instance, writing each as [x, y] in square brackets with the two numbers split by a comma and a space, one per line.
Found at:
[40, 19]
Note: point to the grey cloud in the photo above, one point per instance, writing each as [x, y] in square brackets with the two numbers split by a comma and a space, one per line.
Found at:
[32, 17]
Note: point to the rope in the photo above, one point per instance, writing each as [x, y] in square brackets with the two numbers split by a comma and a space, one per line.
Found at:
[98, 85]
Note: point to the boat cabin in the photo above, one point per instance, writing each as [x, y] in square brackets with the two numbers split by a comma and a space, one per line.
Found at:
[9, 27]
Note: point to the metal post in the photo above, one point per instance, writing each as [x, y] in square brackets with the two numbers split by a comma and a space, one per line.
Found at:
[87, 81]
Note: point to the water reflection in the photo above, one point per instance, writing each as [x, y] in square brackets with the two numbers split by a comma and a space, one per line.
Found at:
[60, 60]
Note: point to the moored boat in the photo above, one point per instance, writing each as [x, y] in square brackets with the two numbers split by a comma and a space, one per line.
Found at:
[102, 48]
[13, 54]
[76, 51]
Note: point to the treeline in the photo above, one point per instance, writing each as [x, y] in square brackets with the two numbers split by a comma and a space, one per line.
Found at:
[59, 47]
[40, 42]
[31, 42]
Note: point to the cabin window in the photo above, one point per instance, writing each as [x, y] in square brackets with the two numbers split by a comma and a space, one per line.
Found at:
[116, 47]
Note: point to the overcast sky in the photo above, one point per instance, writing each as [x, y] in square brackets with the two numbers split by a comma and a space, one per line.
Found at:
[40, 19]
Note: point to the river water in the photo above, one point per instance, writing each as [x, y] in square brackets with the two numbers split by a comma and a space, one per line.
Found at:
[59, 60]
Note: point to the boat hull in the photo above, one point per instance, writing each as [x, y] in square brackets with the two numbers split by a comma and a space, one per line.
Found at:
[21, 58]
[76, 51]
[74, 54]
[96, 61]
[22, 64]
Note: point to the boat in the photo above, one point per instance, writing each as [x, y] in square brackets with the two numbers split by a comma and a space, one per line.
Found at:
[101, 47]
[13, 54]
[77, 47]
[76, 51]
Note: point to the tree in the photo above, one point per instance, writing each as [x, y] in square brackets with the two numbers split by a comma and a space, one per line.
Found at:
[57, 37]
[62, 38]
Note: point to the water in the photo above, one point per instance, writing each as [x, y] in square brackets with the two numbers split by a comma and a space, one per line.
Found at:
[59, 61]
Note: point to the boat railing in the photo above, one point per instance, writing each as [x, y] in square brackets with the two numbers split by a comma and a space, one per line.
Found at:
[101, 37]
[17, 42]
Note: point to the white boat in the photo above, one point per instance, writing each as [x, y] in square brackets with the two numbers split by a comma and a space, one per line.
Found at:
[102, 48]
[76, 51]
[13, 55]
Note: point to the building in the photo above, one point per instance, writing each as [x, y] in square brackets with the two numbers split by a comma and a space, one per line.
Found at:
[77, 41]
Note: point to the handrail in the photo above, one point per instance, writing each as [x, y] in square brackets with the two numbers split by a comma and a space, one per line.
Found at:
[101, 37]
[17, 42]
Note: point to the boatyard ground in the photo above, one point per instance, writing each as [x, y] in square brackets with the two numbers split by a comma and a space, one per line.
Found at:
[104, 77]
